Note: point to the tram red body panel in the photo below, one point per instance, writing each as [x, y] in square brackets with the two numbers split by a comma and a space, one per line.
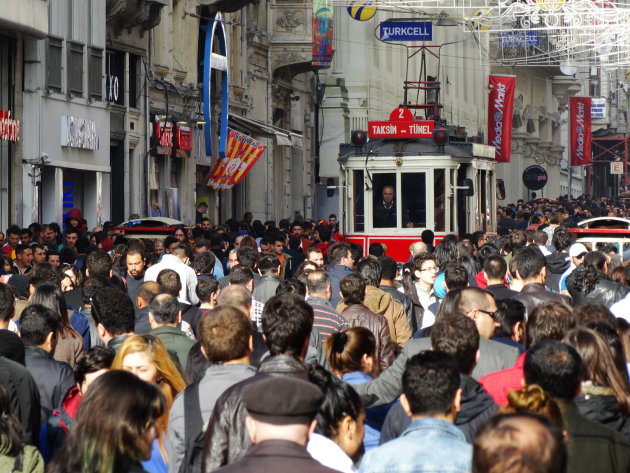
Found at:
[397, 245]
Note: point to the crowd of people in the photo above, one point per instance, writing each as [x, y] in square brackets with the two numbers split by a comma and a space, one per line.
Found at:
[253, 346]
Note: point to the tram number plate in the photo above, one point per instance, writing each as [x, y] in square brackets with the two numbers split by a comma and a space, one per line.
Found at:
[400, 129]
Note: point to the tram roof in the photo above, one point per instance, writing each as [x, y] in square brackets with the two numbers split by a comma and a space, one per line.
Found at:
[406, 147]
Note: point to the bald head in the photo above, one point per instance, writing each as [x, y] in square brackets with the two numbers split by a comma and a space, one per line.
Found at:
[520, 443]
[146, 292]
[237, 296]
[417, 248]
[318, 284]
[471, 298]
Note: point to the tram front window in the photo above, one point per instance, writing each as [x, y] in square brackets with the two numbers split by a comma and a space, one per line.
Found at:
[385, 200]
[414, 199]
[410, 200]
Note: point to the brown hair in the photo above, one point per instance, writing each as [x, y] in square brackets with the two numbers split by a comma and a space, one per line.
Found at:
[169, 282]
[549, 321]
[598, 365]
[344, 350]
[593, 313]
[532, 398]
[224, 334]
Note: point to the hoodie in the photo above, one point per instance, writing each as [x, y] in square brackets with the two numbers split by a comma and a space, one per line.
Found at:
[81, 227]
[557, 264]
[476, 408]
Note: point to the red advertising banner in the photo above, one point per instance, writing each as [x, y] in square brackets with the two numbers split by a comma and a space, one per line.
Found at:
[500, 109]
[241, 154]
[580, 134]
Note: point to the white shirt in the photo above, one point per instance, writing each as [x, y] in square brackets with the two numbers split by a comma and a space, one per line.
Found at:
[329, 454]
[621, 309]
[187, 277]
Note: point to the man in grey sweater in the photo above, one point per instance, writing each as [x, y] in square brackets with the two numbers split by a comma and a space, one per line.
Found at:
[226, 341]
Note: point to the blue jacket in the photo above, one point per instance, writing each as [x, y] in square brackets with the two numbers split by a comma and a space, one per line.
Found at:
[426, 446]
[337, 273]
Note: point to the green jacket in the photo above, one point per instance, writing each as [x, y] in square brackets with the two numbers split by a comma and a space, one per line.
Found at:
[32, 461]
[176, 341]
[593, 447]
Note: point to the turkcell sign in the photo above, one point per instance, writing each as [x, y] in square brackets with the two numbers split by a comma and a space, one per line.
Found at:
[406, 31]
[414, 129]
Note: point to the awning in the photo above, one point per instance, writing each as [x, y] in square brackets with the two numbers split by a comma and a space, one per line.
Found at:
[256, 127]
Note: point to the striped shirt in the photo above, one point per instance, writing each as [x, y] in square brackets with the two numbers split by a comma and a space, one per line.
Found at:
[326, 319]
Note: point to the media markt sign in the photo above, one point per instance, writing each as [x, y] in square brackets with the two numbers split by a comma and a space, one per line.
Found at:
[406, 31]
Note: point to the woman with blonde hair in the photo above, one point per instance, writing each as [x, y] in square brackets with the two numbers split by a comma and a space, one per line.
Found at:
[147, 358]
[533, 399]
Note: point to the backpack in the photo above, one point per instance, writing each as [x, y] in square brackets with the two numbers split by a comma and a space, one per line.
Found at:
[194, 431]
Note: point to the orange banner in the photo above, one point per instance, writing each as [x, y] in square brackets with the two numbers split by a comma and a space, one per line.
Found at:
[241, 154]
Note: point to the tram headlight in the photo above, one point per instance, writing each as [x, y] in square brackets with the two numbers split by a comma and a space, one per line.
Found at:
[358, 137]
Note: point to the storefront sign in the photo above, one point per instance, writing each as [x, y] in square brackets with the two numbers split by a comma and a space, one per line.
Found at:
[79, 132]
[163, 136]
[598, 107]
[580, 130]
[9, 128]
[616, 167]
[535, 178]
[183, 141]
[215, 58]
[242, 153]
[401, 124]
[500, 109]
[406, 31]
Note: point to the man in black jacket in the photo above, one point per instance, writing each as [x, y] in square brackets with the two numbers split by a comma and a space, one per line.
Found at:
[287, 322]
[456, 335]
[556, 367]
[24, 397]
[38, 326]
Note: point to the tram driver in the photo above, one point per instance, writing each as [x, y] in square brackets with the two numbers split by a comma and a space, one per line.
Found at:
[385, 209]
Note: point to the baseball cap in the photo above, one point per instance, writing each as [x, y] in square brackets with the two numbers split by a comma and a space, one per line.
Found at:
[577, 249]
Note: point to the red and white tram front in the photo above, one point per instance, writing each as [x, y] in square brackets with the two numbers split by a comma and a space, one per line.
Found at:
[394, 189]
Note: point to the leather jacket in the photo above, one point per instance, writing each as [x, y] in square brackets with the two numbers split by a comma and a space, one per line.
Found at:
[534, 294]
[606, 292]
[360, 316]
[227, 440]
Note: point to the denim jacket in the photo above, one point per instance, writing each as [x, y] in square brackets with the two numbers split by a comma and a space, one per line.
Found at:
[426, 446]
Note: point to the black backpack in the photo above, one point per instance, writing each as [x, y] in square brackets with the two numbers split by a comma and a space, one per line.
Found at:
[194, 431]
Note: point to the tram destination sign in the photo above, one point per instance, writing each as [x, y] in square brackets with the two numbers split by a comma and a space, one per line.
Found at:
[406, 31]
[401, 129]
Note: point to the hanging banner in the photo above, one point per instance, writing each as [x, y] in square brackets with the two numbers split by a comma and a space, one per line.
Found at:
[500, 108]
[241, 154]
[322, 33]
[580, 134]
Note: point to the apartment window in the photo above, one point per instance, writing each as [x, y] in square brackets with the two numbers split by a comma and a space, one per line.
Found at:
[134, 80]
[75, 68]
[53, 74]
[95, 68]
[115, 77]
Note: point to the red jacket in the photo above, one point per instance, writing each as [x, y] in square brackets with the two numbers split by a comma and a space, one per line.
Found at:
[500, 383]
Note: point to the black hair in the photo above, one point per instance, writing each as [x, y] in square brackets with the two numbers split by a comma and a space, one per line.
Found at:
[112, 308]
[495, 267]
[291, 286]
[389, 268]
[205, 288]
[241, 275]
[287, 321]
[376, 249]
[20, 249]
[248, 256]
[530, 261]
[455, 276]
[487, 250]
[7, 302]
[337, 252]
[457, 335]
[204, 262]
[340, 400]
[370, 270]
[268, 264]
[555, 367]
[11, 430]
[95, 359]
[98, 263]
[13, 230]
[509, 313]
[430, 382]
[36, 322]
[446, 252]
[352, 288]
[91, 285]
[164, 309]
[325, 233]
[562, 239]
